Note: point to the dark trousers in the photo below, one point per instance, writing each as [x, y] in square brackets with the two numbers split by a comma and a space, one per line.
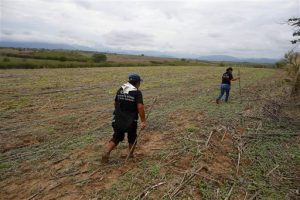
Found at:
[119, 135]
[225, 88]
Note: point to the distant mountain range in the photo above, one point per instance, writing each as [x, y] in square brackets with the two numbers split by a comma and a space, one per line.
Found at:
[41, 45]
[225, 58]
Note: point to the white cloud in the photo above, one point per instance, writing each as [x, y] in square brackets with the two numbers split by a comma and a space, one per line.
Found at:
[249, 28]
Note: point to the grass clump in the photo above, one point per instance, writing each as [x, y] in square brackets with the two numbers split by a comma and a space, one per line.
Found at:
[266, 154]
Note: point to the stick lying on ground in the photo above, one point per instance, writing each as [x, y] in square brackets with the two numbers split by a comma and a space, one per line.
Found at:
[148, 190]
[272, 170]
[229, 193]
[238, 163]
[256, 135]
[207, 141]
[186, 179]
[140, 131]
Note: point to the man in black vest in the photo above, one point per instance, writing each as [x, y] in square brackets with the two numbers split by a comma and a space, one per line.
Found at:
[226, 84]
[128, 105]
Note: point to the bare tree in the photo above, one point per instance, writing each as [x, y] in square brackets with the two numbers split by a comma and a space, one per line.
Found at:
[295, 22]
[293, 58]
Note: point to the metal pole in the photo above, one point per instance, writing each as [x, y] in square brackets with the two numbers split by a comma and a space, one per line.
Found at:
[240, 85]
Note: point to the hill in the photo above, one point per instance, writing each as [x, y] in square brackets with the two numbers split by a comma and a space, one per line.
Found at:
[58, 58]
[235, 59]
[39, 45]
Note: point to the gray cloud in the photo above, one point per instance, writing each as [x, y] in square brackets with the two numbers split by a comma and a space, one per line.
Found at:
[7, 32]
[128, 39]
[27, 32]
[215, 35]
[249, 28]
[82, 3]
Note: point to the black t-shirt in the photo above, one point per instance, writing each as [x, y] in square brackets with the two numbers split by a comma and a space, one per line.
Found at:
[226, 78]
[127, 103]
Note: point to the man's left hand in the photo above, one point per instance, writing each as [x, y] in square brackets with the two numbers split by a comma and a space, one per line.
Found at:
[143, 125]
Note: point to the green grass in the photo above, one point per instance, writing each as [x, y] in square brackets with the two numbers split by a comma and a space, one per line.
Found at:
[265, 154]
[17, 103]
[73, 121]
[60, 54]
[43, 54]
[207, 190]
[4, 166]
[21, 63]
[73, 59]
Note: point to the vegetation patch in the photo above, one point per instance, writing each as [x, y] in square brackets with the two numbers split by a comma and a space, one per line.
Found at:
[56, 122]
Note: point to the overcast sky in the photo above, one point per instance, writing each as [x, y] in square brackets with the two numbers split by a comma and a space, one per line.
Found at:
[244, 28]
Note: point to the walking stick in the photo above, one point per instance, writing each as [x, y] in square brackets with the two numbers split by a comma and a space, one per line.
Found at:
[240, 85]
[140, 131]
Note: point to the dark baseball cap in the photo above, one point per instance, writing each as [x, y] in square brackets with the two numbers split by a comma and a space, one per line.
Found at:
[135, 77]
[229, 68]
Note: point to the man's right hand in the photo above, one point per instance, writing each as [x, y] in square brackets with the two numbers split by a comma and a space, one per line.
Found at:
[143, 125]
